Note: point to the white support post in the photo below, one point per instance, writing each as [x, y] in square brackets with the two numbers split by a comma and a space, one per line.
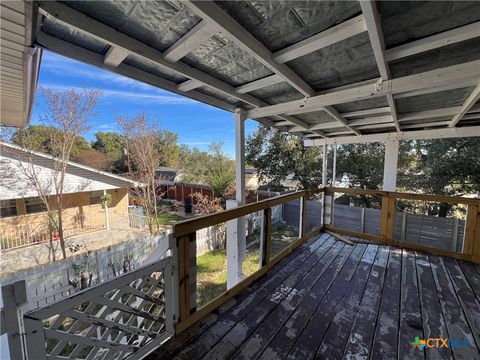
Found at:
[105, 204]
[390, 166]
[324, 166]
[334, 166]
[236, 229]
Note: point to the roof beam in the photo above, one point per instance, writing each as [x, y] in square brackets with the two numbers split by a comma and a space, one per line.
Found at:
[258, 84]
[469, 102]
[446, 38]
[471, 131]
[366, 112]
[438, 88]
[430, 114]
[455, 74]
[78, 53]
[330, 110]
[372, 20]
[115, 56]
[86, 25]
[189, 85]
[198, 35]
[321, 40]
[78, 21]
[225, 24]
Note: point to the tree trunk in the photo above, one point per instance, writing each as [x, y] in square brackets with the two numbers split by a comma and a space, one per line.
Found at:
[60, 225]
[50, 238]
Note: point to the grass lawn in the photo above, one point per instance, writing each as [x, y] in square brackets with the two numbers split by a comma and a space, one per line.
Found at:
[212, 266]
[169, 219]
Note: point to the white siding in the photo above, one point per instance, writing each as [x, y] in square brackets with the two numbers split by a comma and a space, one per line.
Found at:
[14, 184]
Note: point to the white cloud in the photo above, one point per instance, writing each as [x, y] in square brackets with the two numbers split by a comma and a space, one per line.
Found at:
[131, 96]
[129, 88]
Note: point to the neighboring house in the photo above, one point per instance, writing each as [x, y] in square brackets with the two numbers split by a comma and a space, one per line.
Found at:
[23, 217]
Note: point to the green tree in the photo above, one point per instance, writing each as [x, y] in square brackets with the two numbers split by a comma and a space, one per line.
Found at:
[113, 145]
[275, 155]
[220, 174]
[213, 168]
[41, 138]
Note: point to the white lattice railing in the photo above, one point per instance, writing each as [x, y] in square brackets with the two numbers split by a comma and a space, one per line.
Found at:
[125, 318]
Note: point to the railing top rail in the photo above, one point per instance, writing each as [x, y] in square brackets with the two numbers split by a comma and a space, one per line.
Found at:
[408, 196]
[189, 226]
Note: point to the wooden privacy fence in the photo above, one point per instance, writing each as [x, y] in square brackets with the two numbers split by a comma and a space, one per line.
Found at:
[438, 235]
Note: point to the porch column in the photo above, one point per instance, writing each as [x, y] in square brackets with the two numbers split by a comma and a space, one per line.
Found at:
[236, 229]
[390, 166]
[327, 198]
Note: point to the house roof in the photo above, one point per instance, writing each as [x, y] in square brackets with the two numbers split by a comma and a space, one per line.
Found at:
[320, 69]
[80, 178]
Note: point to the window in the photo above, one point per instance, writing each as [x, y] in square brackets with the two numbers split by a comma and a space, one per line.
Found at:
[8, 208]
[34, 205]
[96, 197]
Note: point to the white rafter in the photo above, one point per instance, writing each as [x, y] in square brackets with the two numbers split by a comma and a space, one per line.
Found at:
[115, 56]
[446, 38]
[469, 102]
[470, 131]
[225, 24]
[197, 36]
[189, 85]
[459, 74]
[258, 84]
[366, 112]
[372, 20]
[321, 40]
[330, 110]
[80, 22]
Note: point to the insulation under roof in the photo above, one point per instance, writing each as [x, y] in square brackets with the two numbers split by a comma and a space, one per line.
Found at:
[261, 55]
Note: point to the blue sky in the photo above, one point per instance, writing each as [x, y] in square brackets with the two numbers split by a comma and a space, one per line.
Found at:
[196, 124]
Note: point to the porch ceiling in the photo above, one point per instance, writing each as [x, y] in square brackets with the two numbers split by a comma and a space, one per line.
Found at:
[318, 69]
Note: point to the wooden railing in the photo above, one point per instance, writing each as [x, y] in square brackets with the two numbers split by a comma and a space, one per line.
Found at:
[185, 235]
[471, 241]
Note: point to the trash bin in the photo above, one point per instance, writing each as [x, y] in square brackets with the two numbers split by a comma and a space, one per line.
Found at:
[188, 206]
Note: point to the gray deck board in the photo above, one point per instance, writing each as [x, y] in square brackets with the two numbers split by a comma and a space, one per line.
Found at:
[331, 300]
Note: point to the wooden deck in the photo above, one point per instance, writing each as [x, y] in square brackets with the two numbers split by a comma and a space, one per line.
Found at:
[331, 300]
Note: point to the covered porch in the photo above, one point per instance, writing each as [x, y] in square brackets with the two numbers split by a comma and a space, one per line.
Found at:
[332, 300]
[333, 73]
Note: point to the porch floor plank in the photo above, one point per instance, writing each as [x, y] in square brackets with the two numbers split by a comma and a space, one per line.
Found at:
[331, 300]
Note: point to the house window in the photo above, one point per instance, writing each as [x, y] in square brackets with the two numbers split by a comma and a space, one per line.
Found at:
[96, 197]
[34, 205]
[8, 208]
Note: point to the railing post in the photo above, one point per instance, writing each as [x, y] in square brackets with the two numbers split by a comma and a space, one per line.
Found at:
[13, 296]
[184, 289]
[387, 219]
[173, 247]
[327, 206]
[34, 339]
[235, 247]
[471, 245]
[266, 248]
[303, 217]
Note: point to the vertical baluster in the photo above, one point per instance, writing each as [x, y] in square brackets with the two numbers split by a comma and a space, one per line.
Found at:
[267, 236]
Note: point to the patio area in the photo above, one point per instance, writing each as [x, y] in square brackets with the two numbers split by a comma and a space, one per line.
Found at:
[332, 300]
